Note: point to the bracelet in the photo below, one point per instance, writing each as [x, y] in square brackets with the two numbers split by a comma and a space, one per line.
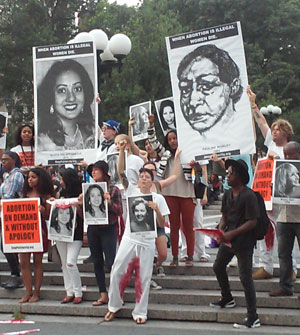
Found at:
[254, 106]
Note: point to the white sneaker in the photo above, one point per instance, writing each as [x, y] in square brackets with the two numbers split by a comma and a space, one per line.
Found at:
[160, 272]
[155, 286]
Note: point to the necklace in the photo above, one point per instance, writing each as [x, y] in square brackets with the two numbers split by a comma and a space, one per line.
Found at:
[74, 141]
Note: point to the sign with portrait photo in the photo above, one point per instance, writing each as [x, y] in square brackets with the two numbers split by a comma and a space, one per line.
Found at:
[65, 88]
[112, 161]
[142, 218]
[140, 113]
[3, 124]
[209, 80]
[166, 114]
[21, 225]
[286, 185]
[95, 207]
[62, 222]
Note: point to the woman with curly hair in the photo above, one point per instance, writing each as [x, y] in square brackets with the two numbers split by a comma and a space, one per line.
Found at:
[65, 117]
[94, 202]
[24, 140]
[37, 185]
[62, 221]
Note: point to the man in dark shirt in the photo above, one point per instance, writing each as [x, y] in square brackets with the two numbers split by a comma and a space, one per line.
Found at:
[240, 211]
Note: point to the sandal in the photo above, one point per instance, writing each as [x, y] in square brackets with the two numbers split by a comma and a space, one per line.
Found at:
[67, 299]
[174, 262]
[77, 300]
[34, 298]
[203, 260]
[25, 299]
[99, 302]
[140, 321]
[109, 316]
[189, 262]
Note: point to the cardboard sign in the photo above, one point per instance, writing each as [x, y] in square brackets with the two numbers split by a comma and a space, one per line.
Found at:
[21, 225]
[262, 181]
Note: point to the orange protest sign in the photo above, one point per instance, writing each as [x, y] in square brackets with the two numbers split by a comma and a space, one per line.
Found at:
[21, 226]
[262, 181]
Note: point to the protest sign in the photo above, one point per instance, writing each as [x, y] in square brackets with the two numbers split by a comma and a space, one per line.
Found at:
[3, 123]
[21, 225]
[166, 114]
[65, 87]
[262, 181]
[209, 77]
[140, 114]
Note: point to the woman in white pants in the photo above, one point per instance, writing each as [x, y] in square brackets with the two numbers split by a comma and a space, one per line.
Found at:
[69, 251]
[135, 252]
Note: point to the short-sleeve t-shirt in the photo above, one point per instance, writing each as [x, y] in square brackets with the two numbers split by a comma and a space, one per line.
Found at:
[26, 155]
[162, 206]
[238, 210]
[271, 145]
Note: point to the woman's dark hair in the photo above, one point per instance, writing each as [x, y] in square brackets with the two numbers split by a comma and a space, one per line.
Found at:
[87, 202]
[138, 201]
[147, 171]
[2, 124]
[166, 142]
[149, 163]
[49, 123]
[45, 186]
[72, 183]
[54, 219]
[166, 103]
[15, 157]
[18, 138]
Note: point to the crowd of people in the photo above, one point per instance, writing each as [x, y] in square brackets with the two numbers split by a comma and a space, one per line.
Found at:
[177, 194]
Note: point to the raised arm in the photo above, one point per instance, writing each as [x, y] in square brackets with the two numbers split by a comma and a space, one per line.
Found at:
[257, 114]
[120, 167]
[177, 170]
[134, 148]
[156, 145]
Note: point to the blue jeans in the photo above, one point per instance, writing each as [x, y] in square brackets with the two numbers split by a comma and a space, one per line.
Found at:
[102, 239]
[224, 256]
[286, 233]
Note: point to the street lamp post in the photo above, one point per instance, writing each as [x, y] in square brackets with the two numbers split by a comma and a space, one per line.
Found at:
[271, 110]
[110, 52]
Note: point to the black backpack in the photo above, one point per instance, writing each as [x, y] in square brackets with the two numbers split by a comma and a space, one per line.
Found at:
[263, 221]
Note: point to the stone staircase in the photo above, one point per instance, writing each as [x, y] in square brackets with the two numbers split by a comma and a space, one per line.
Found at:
[185, 296]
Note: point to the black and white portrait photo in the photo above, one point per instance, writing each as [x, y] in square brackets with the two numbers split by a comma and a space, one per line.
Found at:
[112, 161]
[209, 77]
[95, 209]
[140, 114]
[141, 216]
[166, 114]
[286, 189]
[3, 124]
[62, 223]
[65, 104]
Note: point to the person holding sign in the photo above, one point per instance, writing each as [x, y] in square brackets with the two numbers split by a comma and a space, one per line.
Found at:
[37, 185]
[136, 252]
[94, 202]
[66, 121]
[276, 137]
[288, 228]
[10, 189]
[69, 251]
[103, 238]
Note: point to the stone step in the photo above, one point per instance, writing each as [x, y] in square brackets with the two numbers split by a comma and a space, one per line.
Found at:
[189, 282]
[213, 207]
[164, 296]
[209, 211]
[179, 312]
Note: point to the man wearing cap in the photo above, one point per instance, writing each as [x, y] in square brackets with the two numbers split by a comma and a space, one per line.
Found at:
[109, 130]
[240, 211]
[103, 238]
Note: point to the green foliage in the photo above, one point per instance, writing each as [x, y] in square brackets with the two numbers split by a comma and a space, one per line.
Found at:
[270, 31]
